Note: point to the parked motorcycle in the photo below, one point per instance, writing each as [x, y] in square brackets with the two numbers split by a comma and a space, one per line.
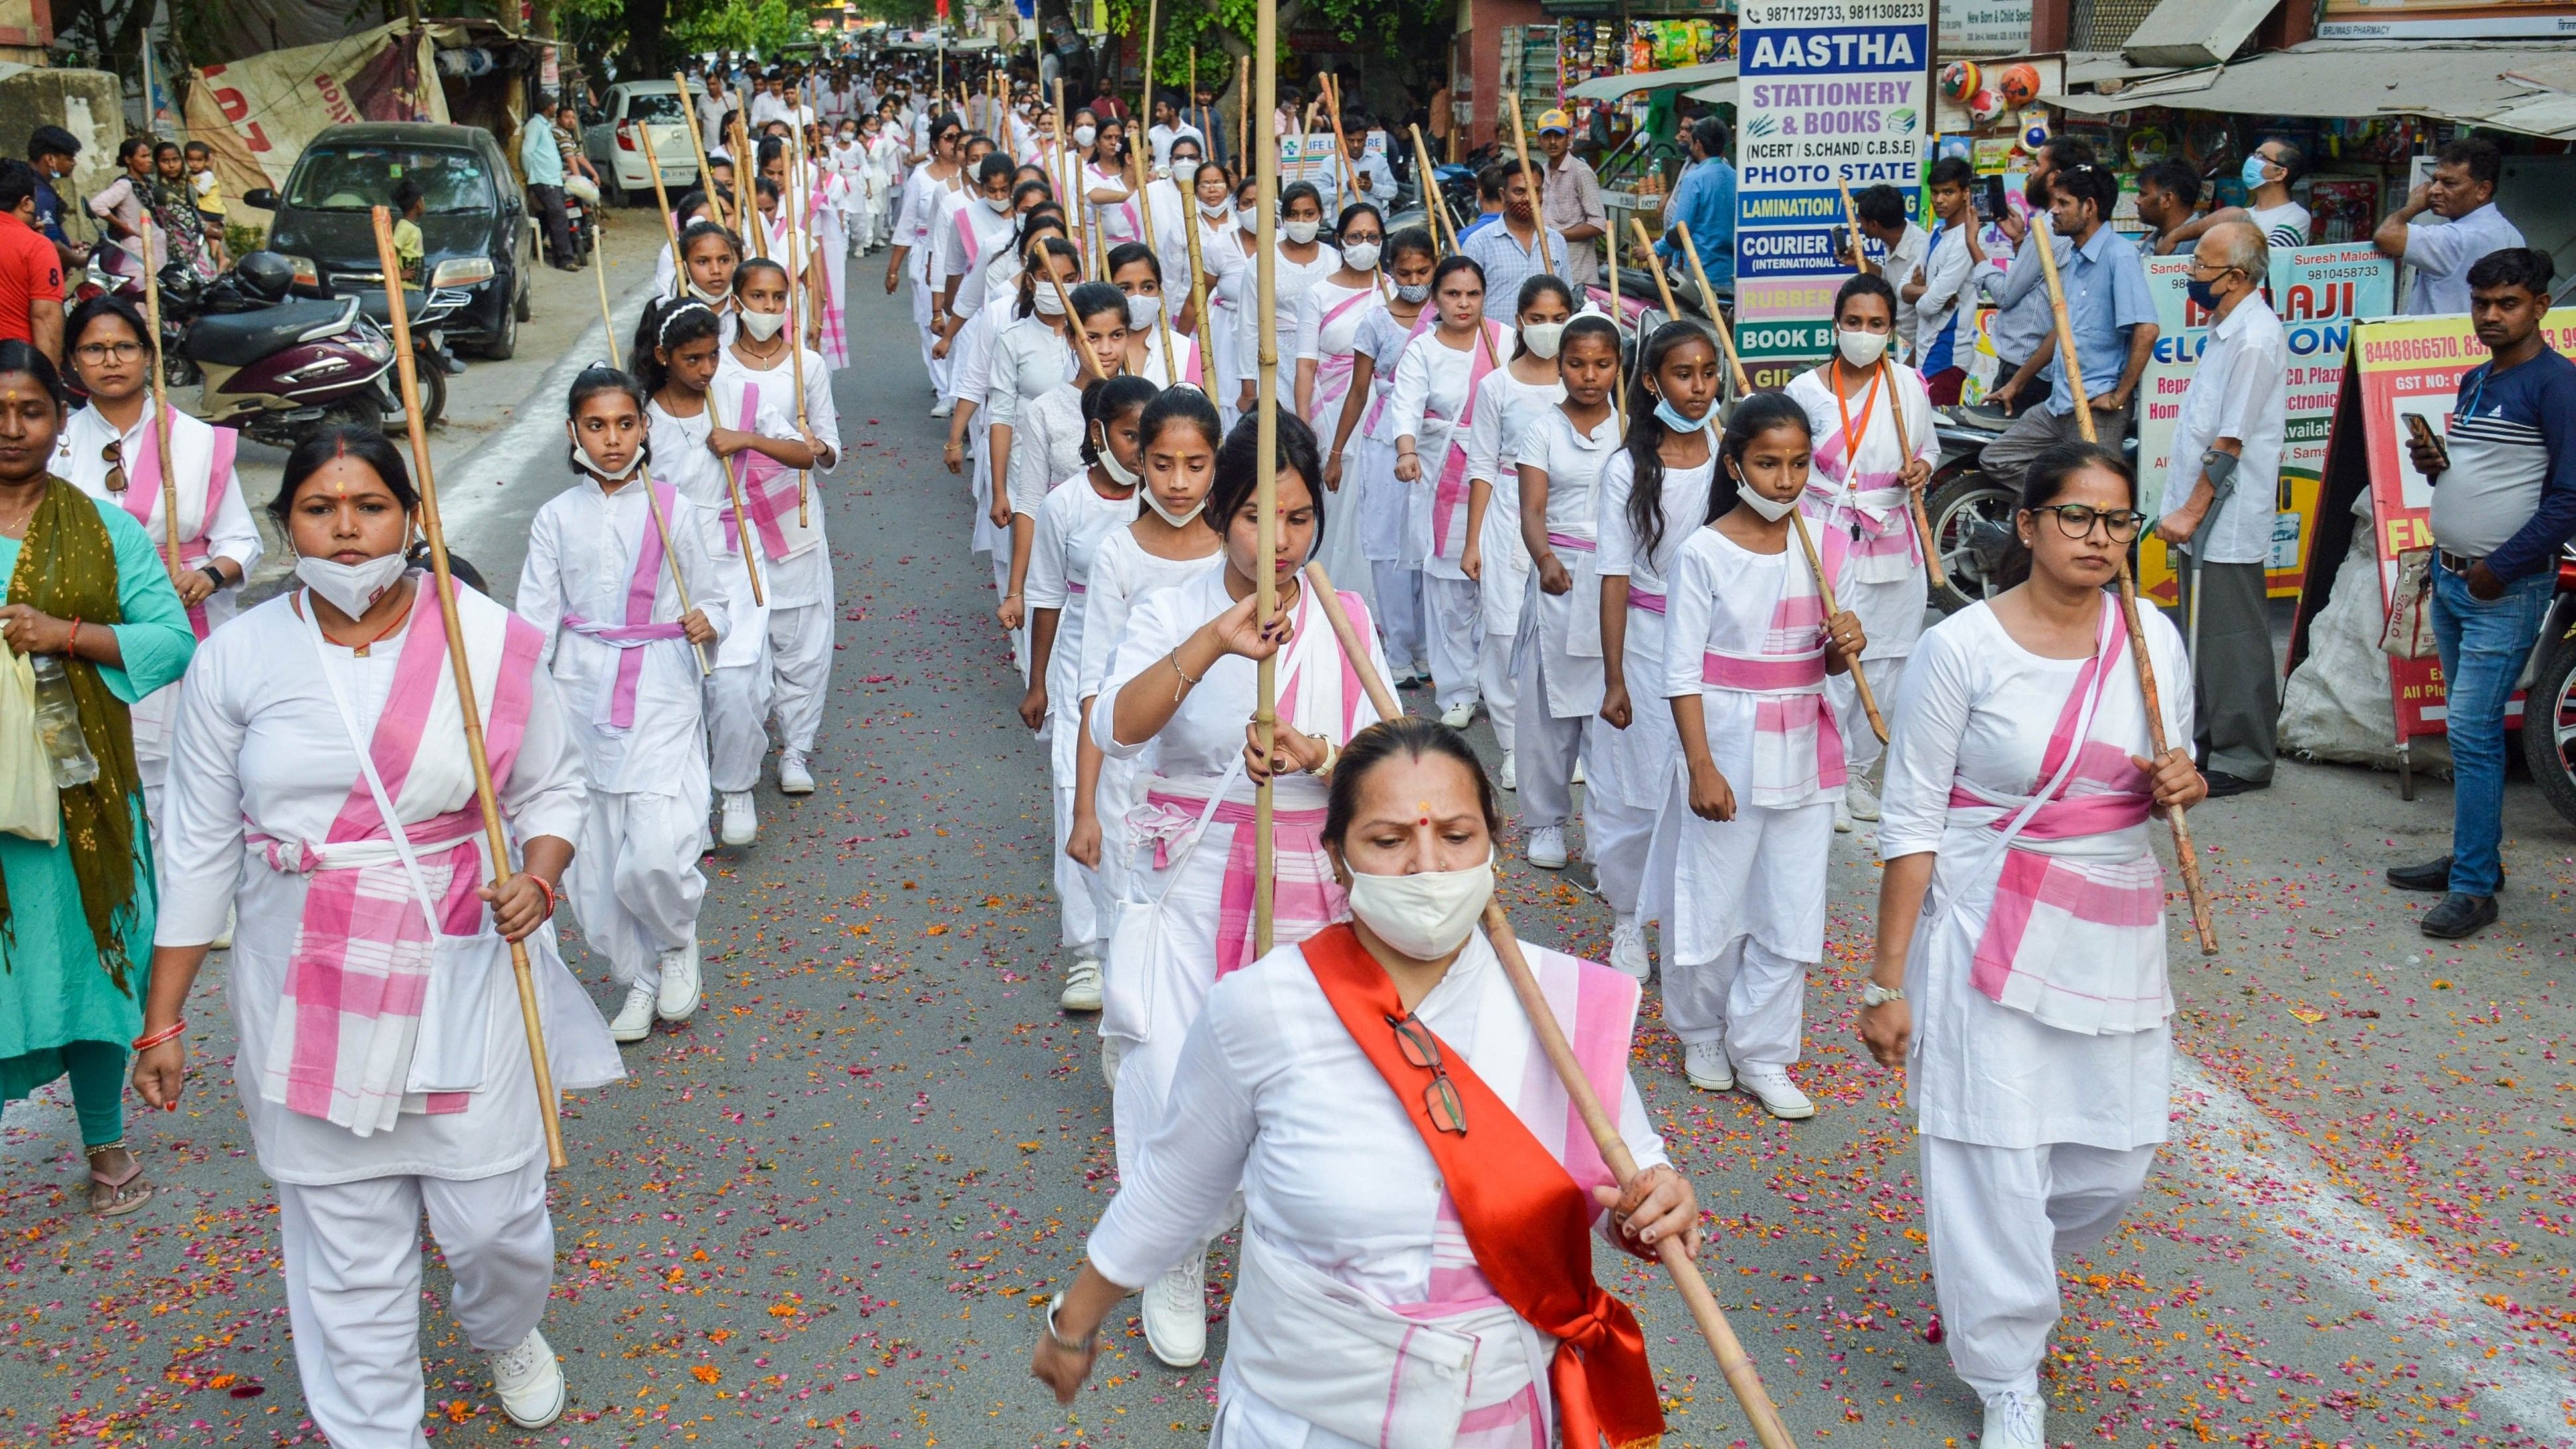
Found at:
[581, 210]
[2549, 699]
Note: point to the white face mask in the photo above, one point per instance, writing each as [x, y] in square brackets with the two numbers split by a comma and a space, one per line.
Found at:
[1118, 472]
[351, 588]
[1543, 338]
[763, 325]
[1360, 256]
[1772, 510]
[1154, 501]
[998, 205]
[1302, 232]
[1085, 135]
[1141, 312]
[703, 295]
[621, 475]
[1250, 221]
[1050, 302]
[1861, 349]
[1426, 915]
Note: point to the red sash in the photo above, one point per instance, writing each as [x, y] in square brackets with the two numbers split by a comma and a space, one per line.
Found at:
[1527, 1222]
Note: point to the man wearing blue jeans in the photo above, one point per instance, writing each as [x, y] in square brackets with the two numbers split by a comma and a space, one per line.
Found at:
[2504, 504]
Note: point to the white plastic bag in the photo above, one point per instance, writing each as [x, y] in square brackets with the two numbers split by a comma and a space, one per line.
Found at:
[29, 806]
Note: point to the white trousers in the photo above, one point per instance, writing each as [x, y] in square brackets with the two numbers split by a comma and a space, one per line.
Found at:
[787, 683]
[1751, 1000]
[1861, 747]
[1502, 691]
[1998, 1219]
[1453, 627]
[352, 1259]
[1002, 590]
[937, 367]
[1077, 886]
[1397, 606]
[634, 885]
[1551, 747]
[1618, 836]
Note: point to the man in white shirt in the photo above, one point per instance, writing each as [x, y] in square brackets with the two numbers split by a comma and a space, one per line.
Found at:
[2462, 193]
[714, 104]
[1167, 128]
[1942, 288]
[1880, 211]
[2220, 495]
[770, 105]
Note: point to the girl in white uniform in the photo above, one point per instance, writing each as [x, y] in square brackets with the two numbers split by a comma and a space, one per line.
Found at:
[712, 253]
[1051, 433]
[1510, 398]
[1135, 271]
[690, 209]
[1328, 325]
[756, 379]
[1179, 699]
[977, 232]
[1381, 1301]
[1234, 281]
[1076, 518]
[1747, 648]
[699, 447]
[1862, 401]
[1558, 654]
[599, 583]
[1222, 251]
[111, 451]
[1436, 381]
[915, 214]
[1363, 452]
[969, 441]
[382, 1067]
[1302, 263]
[1108, 191]
[1651, 495]
[1170, 542]
[2022, 914]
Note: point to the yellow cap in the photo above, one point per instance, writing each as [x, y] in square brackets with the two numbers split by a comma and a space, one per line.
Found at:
[1553, 121]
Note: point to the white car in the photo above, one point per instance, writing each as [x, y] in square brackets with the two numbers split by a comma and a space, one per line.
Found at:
[616, 147]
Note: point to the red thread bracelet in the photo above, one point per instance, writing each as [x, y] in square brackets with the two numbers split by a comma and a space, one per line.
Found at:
[151, 1039]
[550, 894]
[71, 646]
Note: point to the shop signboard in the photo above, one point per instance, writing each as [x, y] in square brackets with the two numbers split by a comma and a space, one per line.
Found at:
[2445, 19]
[1985, 27]
[2319, 293]
[1830, 94]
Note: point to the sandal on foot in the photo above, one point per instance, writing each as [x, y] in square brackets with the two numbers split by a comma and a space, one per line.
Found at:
[123, 1194]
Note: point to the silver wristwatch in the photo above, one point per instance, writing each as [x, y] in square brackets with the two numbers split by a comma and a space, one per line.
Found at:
[1873, 994]
[1090, 1344]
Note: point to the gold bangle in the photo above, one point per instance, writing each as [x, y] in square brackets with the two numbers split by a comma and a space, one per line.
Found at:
[1174, 659]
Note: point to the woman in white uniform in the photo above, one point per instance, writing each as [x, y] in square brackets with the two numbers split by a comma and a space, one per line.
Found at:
[1302, 262]
[1108, 190]
[969, 443]
[1048, 448]
[1381, 1301]
[1232, 282]
[1510, 398]
[916, 213]
[1363, 451]
[111, 451]
[1436, 380]
[1328, 319]
[1747, 650]
[2020, 978]
[361, 879]
[1652, 494]
[1862, 401]
[1076, 518]
[1137, 272]
[606, 563]
[1179, 700]
[1558, 654]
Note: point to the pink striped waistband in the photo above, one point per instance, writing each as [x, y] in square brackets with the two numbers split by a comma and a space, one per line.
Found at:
[1770, 674]
[1233, 812]
[1567, 540]
[2099, 813]
[1640, 599]
[1071, 587]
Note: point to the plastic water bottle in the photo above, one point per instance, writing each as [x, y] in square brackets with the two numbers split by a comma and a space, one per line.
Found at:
[58, 726]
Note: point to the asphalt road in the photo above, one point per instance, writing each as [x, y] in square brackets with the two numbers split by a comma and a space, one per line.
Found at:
[821, 1213]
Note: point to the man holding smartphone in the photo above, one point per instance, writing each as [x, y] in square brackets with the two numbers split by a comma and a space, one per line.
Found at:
[2504, 504]
[1941, 289]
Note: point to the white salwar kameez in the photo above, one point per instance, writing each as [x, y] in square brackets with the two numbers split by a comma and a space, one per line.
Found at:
[1505, 408]
[1337, 1184]
[1747, 912]
[1290, 281]
[916, 214]
[970, 354]
[1328, 323]
[791, 643]
[1385, 501]
[1432, 387]
[201, 461]
[1883, 579]
[1071, 526]
[634, 883]
[2035, 1139]
[1558, 653]
[1628, 773]
[259, 745]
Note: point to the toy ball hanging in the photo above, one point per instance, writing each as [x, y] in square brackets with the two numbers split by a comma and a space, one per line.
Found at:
[2034, 137]
[1961, 79]
[2020, 84]
[1985, 105]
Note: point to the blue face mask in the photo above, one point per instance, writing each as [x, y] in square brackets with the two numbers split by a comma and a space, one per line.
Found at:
[1672, 418]
[2204, 295]
[2255, 166]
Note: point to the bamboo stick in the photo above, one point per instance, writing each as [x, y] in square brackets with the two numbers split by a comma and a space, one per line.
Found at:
[1706, 1315]
[1672, 308]
[1433, 206]
[1529, 183]
[607, 317]
[1265, 496]
[2184, 855]
[746, 176]
[796, 316]
[1851, 217]
[698, 145]
[1717, 321]
[1243, 111]
[443, 582]
[1939, 577]
[1618, 324]
[161, 404]
[1145, 210]
[1198, 279]
[662, 199]
[679, 585]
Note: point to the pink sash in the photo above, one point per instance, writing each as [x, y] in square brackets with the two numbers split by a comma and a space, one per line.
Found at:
[1885, 530]
[639, 628]
[143, 494]
[1383, 384]
[966, 237]
[1333, 372]
[1451, 494]
[768, 489]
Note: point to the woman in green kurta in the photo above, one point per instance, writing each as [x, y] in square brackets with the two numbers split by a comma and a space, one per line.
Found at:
[76, 916]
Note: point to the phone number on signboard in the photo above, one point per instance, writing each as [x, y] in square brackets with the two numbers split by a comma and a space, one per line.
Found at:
[1767, 17]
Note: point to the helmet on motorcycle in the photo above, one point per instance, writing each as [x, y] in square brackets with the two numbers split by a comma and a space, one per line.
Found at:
[266, 273]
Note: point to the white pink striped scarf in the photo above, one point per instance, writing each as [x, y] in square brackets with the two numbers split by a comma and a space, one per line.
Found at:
[1449, 499]
[1868, 509]
[143, 496]
[1797, 748]
[630, 637]
[1333, 373]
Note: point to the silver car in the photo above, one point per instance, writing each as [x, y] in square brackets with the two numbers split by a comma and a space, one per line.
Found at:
[616, 148]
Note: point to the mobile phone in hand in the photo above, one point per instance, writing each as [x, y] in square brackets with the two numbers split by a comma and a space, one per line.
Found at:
[1989, 198]
[2421, 430]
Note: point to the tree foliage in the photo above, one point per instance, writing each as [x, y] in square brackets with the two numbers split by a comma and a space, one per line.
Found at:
[1223, 29]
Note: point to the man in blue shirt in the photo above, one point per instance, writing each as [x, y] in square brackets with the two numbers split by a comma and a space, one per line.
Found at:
[1704, 201]
[542, 159]
[2504, 504]
[1489, 201]
[54, 151]
[1509, 248]
[2110, 313]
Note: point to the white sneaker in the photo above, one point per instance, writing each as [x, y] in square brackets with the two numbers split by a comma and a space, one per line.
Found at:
[2015, 1421]
[1704, 1065]
[1779, 1096]
[1176, 1314]
[1628, 949]
[1842, 818]
[1547, 847]
[1860, 801]
[683, 983]
[796, 778]
[634, 1020]
[1578, 774]
[741, 822]
[529, 1383]
[1511, 779]
[943, 408]
[1459, 716]
[224, 938]
[1081, 986]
